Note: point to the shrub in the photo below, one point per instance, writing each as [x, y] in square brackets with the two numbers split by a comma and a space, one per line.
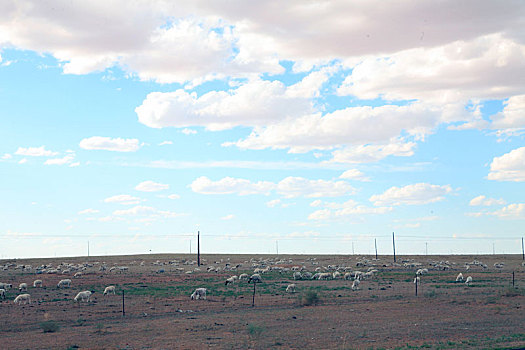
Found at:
[310, 298]
[255, 330]
[49, 326]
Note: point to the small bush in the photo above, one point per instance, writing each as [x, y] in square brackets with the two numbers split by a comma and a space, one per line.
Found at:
[513, 292]
[255, 330]
[49, 326]
[430, 294]
[310, 298]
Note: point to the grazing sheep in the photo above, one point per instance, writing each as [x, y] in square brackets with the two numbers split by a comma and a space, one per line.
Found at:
[355, 284]
[325, 276]
[336, 275]
[307, 275]
[297, 275]
[231, 280]
[23, 298]
[6, 286]
[459, 278]
[84, 296]
[37, 283]
[358, 275]
[290, 288]
[198, 294]
[64, 283]
[348, 276]
[244, 277]
[421, 271]
[78, 274]
[2, 293]
[109, 289]
[468, 281]
[22, 287]
[256, 278]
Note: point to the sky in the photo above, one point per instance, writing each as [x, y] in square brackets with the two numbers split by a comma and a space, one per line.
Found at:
[310, 127]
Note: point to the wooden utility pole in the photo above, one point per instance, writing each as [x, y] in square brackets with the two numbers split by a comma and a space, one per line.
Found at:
[394, 245]
[198, 248]
[88, 249]
[416, 285]
[353, 253]
[253, 297]
[123, 309]
[375, 243]
[277, 247]
[522, 249]
[513, 278]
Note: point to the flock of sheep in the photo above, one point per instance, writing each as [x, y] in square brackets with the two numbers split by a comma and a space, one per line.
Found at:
[259, 266]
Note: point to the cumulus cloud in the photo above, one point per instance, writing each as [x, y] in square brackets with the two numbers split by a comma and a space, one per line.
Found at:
[512, 117]
[35, 152]
[228, 217]
[511, 211]
[333, 210]
[509, 167]
[230, 185]
[354, 174]
[151, 186]
[416, 194]
[173, 196]
[67, 159]
[110, 144]
[273, 203]
[136, 210]
[289, 187]
[125, 199]
[163, 143]
[187, 131]
[146, 212]
[22, 161]
[7, 156]
[484, 201]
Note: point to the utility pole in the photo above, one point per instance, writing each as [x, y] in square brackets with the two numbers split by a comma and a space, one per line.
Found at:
[198, 249]
[277, 247]
[394, 245]
[522, 249]
[493, 249]
[375, 243]
[426, 248]
[353, 248]
[190, 246]
[88, 249]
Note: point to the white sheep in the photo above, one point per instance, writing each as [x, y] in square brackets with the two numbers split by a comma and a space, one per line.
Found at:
[6, 286]
[78, 274]
[2, 293]
[109, 289]
[348, 276]
[290, 288]
[459, 278]
[22, 287]
[336, 275]
[37, 283]
[468, 281]
[421, 271]
[244, 277]
[256, 278]
[417, 280]
[231, 280]
[84, 296]
[355, 284]
[297, 275]
[64, 283]
[198, 294]
[23, 298]
[325, 276]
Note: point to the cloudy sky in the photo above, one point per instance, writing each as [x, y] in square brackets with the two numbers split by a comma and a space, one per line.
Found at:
[317, 126]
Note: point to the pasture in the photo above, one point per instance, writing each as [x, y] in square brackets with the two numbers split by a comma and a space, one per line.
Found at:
[383, 312]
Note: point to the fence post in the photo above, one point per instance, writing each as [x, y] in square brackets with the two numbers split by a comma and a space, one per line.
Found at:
[416, 286]
[375, 243]
[394, 245]
[253, 297]
[198, 249]
[512, 278]
[123, 309]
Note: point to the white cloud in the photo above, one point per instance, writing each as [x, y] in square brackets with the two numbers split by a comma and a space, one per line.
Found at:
[174, 196]
[333, 210]
[289, 187]
[482, 200]
[230, 185]
[67, 159]
[35, 152]
[88, 211]
[187, 131]
[511, 211]
[7, 156]
[273, 203]
[22, 161]
[125, 199]
[151, 186]
[354, 174]
[163, 143]
[373, 153]
[228, 217]
[257, 102]
[513, 115]
[416, 194]
[509, 167]
[110, 144]
[136, 210]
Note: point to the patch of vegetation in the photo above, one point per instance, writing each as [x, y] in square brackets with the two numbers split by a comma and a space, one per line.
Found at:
[49, 326]
[310, 298]
[430, 294]
[255, 330]
[514, 292]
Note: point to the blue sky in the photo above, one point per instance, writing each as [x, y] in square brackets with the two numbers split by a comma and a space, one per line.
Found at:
[134, 126]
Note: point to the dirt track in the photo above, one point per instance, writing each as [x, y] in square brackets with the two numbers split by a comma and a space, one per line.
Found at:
[383, 313]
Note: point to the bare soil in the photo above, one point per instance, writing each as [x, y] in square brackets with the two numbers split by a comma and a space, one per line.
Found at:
[383, 313]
